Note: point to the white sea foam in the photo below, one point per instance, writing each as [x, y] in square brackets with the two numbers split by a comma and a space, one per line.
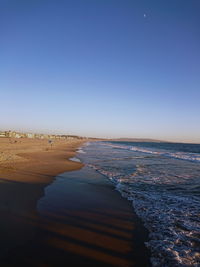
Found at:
[165, 193]
[172, 219]
[80, 151]
[81, 148]
[75, 159]
[178, 155]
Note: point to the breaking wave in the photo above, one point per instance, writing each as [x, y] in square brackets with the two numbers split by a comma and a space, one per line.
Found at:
[165, 193]
[178, 155]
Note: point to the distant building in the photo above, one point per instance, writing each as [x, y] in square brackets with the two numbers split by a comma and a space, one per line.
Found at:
[52, 136]
[30, 135]
[13, 134]
[18, 135]
[2, 134]
[10, 134]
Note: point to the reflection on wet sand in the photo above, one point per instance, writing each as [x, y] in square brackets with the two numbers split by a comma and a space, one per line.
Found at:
[77, 237]
[93, 225]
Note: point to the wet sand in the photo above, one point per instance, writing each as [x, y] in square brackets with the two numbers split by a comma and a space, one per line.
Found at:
[91, 225]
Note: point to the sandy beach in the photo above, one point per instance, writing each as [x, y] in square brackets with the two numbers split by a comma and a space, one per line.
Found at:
[98, 226]
[36, 161]
[26, 167]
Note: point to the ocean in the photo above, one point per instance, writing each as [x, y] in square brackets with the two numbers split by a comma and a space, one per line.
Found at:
[162, 180]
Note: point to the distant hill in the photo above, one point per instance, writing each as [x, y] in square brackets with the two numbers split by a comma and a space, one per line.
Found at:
[139, 140]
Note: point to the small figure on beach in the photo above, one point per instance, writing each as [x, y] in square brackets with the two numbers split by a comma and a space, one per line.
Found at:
[50, 142]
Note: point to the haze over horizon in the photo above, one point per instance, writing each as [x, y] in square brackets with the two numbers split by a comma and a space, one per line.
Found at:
[101, 68]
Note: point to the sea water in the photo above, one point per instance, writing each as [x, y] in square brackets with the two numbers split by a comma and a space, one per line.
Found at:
[163, 182]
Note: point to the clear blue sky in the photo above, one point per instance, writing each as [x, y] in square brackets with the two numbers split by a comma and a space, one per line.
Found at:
[101, 67]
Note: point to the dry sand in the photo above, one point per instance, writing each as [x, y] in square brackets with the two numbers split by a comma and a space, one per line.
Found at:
[36, 161]
[99, 229]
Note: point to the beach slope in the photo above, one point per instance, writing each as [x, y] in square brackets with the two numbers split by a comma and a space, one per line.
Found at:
[26, 167]
[84, 222]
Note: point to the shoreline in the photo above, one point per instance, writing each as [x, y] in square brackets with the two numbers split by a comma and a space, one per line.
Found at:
[95, 224]
[28, 231]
